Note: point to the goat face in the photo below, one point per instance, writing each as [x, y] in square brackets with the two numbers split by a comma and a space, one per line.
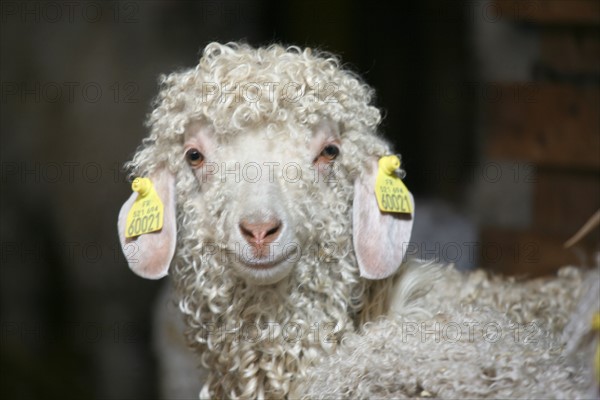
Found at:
[268, 191]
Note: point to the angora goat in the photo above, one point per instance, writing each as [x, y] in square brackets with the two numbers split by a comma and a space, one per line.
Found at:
[266, 160]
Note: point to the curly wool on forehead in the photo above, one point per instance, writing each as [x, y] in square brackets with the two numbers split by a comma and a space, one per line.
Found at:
[276, 90]
[237, 87]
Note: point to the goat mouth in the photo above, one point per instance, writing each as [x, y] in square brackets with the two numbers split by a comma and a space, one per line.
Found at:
[268, 263]
[262, 265]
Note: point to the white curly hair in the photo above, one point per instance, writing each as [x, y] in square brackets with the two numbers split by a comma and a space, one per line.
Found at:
[278, 137]
[477, 337]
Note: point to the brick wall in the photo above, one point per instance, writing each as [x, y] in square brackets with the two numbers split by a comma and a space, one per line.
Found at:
[550, 122]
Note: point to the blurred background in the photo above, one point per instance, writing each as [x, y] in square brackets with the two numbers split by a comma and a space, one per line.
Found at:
[494, 106]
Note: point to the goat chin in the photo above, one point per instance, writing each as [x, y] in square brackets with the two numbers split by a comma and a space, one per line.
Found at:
[266, 273]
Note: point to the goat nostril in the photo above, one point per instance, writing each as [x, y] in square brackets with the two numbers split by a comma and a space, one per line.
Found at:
[245, 231]
[273, 230]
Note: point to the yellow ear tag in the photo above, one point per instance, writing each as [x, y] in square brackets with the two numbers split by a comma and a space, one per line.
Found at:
[392, 195]
[146, 214]
[596, 327]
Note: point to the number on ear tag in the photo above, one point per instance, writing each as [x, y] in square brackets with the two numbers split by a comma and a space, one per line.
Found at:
[392, 195]
[146, 214]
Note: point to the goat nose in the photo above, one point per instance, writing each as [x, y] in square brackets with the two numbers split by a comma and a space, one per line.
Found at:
[260, 233]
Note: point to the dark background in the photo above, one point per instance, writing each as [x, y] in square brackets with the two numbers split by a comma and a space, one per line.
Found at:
[78, 80]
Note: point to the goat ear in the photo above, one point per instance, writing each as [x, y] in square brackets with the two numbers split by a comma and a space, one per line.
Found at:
[380, 238]
[149, 255]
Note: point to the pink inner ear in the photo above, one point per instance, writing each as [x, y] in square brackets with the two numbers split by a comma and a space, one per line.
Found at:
[380, 239]
[150, 255]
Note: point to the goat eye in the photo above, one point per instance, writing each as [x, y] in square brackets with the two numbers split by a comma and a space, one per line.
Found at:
[330, 152]
[194, 157]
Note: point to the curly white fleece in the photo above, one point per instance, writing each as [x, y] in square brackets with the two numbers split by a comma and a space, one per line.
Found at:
[470, 337]
[246, 335]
